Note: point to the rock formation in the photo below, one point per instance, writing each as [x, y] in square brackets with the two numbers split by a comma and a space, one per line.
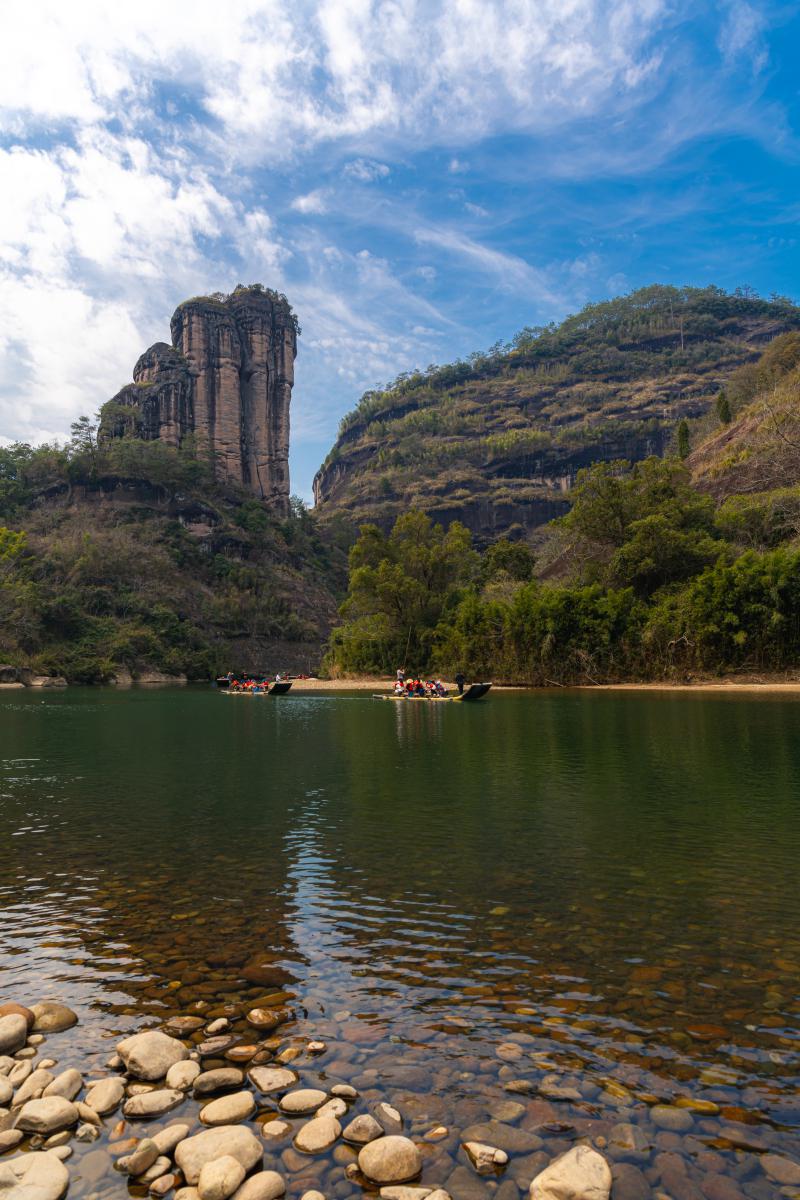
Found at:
[222, 389]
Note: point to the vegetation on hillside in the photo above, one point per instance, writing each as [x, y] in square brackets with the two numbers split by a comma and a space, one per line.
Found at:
[654, 572]
[508, 426]
[129, 555]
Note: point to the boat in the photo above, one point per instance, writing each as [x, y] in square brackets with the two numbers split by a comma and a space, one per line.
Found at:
[476, 691]
[275, 689]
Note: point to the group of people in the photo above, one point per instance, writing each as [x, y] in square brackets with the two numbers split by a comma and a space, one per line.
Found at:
[251, 684]
[429, 688]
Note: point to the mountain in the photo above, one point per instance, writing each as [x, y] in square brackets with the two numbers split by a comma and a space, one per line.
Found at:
[496, 441]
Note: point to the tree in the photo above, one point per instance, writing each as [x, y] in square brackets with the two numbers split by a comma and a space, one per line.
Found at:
[723, 408]
[683, 438]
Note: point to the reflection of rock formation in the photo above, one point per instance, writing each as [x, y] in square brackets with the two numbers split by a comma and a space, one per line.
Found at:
[226, 382]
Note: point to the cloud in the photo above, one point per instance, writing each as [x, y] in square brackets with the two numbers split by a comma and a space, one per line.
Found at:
[365, 171]
[312, 202]
[507, 270]
[476, 210]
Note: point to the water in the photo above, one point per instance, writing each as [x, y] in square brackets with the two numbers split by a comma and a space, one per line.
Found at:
[588, 898]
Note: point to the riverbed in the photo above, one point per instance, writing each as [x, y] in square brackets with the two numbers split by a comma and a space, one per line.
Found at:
[559, 912]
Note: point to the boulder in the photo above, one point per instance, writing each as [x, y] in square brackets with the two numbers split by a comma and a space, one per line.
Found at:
[13, 1032]
[20, 1009]
[168, 1138]
[183, 1074]
[219, 1080]
[266, 1185]
[47, 1116]
[390, 1159]
[272, 1079]
[105, 1095]
[302, 1101]
[362, 1129]
[153, 1104]
[229, 1110]
[193, 1153]
[317, 1135]
[40, 1175]
[220, 1178]
[150, 1055]
[68, 1084]
[52, 1017]
[579, 1174]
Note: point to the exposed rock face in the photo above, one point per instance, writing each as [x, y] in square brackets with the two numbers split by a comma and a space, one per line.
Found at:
[223, 387]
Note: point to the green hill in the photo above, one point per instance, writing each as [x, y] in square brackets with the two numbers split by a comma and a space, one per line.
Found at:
[496, 441]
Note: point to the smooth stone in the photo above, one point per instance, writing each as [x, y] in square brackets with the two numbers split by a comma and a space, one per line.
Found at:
[168, 1138]
[388, 1117]
[345, 1091]
[266, 1185]
[150, 1055]
[20, 1072]
[220, 1178]
[62, 1152]
[629, 1141]
[88, 1114]
[506, 1110]
[505, 1137]
[312, 1195]
[47, 1116]
[317, 1135]
[390, 1159]
[579, 1174]
[33, 1087]
[183, 1026]
[68, 1084]
[94, 1165]
[187, 1193]
[304, 1100]
[629, 1182]
[194, 1152]
[6, 1090]
[105, 1096]
[785, 1171]
[229, 1110]
[215, 1046]
[157, 1171]
[219, 1026]
[464, 1184]
[40, 1175]
[404, 1192]
[153, 1104]
[87, 1133]
[20, 1010]
[275, 1129]
[272, 1079]
[218, 1080]
[52, 1017]
[485, 1159]
[676, 1120]
[268, 1019]
[182, 1075]
[362, 1129]
[335, 1107]
[317, 1047]
[141, 1158]
[10, 1138]
[13, 1032]
[162, 1185]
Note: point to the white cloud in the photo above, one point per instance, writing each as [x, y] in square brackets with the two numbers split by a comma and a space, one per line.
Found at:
[476, 210]
[312, 202]
[365, 171]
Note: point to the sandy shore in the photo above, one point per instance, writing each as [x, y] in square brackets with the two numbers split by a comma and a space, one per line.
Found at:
[385, 685]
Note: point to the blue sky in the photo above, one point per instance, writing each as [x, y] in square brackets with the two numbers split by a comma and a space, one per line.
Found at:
[421, 179]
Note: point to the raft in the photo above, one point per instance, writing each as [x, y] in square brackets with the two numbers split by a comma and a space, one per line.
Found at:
[277, 689]
[474, 692]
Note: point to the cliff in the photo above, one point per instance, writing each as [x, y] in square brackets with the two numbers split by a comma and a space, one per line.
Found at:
[222, 389]
[496, 441]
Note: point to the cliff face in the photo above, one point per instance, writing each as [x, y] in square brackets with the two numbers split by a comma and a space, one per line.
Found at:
[497, 441]
[223, 387]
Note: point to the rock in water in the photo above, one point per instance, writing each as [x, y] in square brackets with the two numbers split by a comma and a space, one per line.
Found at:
[183, 1074]
[150, 1055]
[266, 1185]
[193, 1153]
[579, 1174]
[13, 1032]
[220, 1178]
[485, 1159]
[318, 1135]
[304, 1100]
[153, 1104]
[390, 1159]
[47, 1116]
[105, 1095]
[68, 1084]
[37, 1176]
[272, 1079]
[362, 1129]
[19, 1009]
[229, 1110]
[52, 1017]
[219, 1080]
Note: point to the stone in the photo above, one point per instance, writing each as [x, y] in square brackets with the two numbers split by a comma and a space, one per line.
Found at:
[464, 1184]
[214, 1047]
[140, 1159]
[388, 1118]
[153, 1104]
[194, 1152]
[34, 1086]
[168, 1138]
[505, 1137]
[579, 1174]
[785, 1171]
[220, 1178]
[87, 1133]
[19, 1009]
[266, 1185]
[224, 385]
[88, 1114]
[667, 1116]
[218, 1026]
[404, 1192]
[317, 1047]
[229, 1110]
[362, 1129]
[10, 1138]
[218, 1080]
[13, 1032]
[272, 1079]
[52, 1017]
[272, 1130]
[162, 1185]
[187, 1193]
[183, 1026]
[105, 1096]
[68, 1084]
[40, 1175]
[345, 1090]
[485, 1159]
[20, 1072]
[506, 1110]
[390, 1159]
[150, 1055]
[628, 1141]
[317, 1135]
[312, 1195]
[6, 1091]
[182, 1075]
[47, 1116]
[335, 1107]
[156, 1171]
[302, 1101]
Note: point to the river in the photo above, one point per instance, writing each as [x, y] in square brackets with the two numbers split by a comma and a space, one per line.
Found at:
[567, 910]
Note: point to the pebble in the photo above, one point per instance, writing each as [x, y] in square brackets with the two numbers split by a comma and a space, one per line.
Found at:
[785, 1171]
[33, 1087]
[105, 1096]
[19, 1010]
[94, 1165]
[272, 1079]
[229, 1110]
[52, 1017]
[168, 1138]
[317, 1047]
[47, 1116]
[391, 1159]
[302, 1101]
[220, 1178]
[153, 1104]
[182, 1075]
[336, 1107]
[362, 1129]
[317, 1135]
[666, 1116]
[345, 1091]
[388, 1118]
[485, 1159]
[13, 1032]
[193, 1152]
[10, 1138]
[87, 1133]
[219, 1026]
[266, 1185]
[68, 1084]
[150, 1055]
[165, 1183]
[142, 1157]
[275, 1129]
[219, 1079]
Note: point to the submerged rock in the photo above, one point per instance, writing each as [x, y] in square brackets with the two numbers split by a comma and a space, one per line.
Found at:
[304, 1100]
[362, 1129]
[318, 1135]
[272, 1079]
[485, 1159]
[579, 1174]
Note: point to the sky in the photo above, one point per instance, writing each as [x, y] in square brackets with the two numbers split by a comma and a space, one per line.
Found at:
[422, 179]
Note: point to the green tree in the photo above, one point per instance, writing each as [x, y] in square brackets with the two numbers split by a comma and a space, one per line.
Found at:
[683, 438]
[723, 408]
